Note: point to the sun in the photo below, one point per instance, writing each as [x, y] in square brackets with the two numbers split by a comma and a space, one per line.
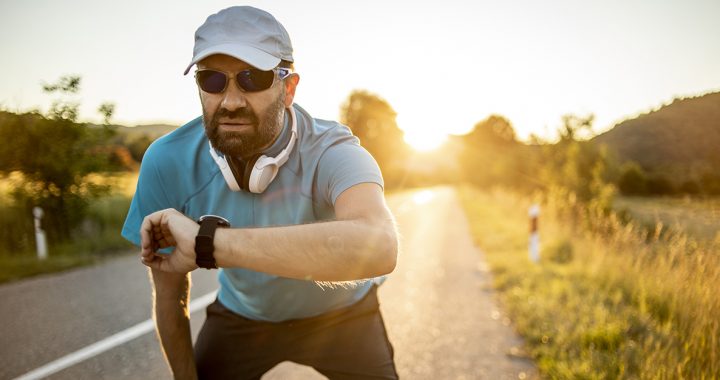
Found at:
[422, 132]
[425, 141]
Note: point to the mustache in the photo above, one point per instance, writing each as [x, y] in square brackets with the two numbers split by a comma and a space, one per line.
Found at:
[240, 113]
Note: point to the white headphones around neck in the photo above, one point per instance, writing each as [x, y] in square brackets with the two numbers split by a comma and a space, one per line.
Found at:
[256, 174]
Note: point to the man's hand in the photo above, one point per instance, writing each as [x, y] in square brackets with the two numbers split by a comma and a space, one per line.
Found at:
[168, 228]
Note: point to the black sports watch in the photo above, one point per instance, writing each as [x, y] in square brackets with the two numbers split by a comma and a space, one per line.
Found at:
[204, 246]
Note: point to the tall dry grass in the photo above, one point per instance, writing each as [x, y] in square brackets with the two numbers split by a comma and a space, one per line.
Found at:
[663, 273]
[610, 298]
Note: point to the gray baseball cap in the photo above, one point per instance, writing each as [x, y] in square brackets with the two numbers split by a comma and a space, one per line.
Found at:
[246, 33]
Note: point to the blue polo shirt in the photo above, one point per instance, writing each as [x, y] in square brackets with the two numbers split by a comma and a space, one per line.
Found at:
[178, 172]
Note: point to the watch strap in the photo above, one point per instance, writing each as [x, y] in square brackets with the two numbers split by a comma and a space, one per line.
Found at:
[204, 241]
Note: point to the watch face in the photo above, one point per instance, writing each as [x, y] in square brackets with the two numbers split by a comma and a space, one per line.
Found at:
[222, 222]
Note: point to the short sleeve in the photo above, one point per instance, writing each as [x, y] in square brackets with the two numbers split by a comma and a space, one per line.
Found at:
[345, 165]
[150, 196]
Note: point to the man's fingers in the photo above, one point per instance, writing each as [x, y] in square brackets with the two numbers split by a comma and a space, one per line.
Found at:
[167, 234]
[153, 263]
[148, 230]
[145, 233]
[153, 257]
[163, 264]
[155, 232]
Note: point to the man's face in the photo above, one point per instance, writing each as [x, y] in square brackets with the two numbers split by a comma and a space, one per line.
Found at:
[239, 123]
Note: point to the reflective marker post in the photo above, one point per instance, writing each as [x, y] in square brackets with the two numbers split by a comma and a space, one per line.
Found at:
[40, 241]
[534, 244]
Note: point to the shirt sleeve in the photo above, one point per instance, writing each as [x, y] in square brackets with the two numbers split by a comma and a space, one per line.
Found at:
[150, 196]
[345, 165]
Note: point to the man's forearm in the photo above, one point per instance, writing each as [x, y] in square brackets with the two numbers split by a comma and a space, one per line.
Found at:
[340, 250]
[172, 320]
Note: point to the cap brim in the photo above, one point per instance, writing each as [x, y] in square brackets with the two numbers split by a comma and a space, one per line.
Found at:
[248, 54]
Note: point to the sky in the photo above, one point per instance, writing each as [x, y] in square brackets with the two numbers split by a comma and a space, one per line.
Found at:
[443, 66]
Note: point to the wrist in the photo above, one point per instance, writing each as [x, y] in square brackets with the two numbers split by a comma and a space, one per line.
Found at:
[225, 250]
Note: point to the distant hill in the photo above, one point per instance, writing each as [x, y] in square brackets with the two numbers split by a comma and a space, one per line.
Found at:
[681, 140]
[134, 141]
[151, 130]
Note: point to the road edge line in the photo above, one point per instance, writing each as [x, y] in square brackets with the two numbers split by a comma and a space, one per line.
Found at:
[108, 343]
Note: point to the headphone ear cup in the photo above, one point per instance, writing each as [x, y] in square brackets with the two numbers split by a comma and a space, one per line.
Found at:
[249, 167]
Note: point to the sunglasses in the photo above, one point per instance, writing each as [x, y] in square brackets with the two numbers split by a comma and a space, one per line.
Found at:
[250, 80]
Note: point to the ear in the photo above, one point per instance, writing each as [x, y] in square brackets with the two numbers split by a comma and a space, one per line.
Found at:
[291, 83]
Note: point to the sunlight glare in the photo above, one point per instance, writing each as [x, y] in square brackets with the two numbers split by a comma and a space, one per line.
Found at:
[423, 197]
[423, 132]
[423, 141]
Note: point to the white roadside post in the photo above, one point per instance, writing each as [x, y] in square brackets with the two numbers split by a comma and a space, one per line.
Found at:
[40, 241]
[534, 246]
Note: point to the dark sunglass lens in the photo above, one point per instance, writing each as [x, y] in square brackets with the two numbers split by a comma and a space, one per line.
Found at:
[211, 81]
[255, 80]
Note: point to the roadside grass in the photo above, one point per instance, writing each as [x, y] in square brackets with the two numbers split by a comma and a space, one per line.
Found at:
[607, 300]
[18, 267]
[96, 239]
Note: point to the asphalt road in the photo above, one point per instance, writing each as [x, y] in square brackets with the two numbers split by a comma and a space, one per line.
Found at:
[438, 306]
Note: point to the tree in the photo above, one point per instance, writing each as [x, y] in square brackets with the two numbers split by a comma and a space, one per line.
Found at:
[54, 154]
[138, 145]
[66, 84]
[689, 187]
[574, 126]
[578, 167]
[633, 180]
[372, 120]
[495, 131]
[107, 110]
[64, 109]
[710, 183]
[54, 157]
[659, 184]
[491, 154]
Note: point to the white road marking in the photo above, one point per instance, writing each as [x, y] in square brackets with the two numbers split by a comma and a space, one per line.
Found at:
[110, 342]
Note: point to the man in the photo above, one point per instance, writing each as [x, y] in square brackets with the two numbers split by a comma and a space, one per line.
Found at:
[312, 195]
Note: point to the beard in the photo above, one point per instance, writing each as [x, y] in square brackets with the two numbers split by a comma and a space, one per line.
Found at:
[245, 144]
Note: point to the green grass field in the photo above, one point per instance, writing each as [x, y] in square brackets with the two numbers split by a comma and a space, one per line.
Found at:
[607, 300]
[699, 217]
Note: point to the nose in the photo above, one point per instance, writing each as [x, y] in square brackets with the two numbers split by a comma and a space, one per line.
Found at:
[233, 97]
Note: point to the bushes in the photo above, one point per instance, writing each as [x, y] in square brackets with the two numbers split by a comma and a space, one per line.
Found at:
[98, 232]
[633, 180]
[54, 157]
[16, 231]
[96, 236]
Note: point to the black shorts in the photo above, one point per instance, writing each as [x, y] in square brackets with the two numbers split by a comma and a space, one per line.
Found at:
[349, 343]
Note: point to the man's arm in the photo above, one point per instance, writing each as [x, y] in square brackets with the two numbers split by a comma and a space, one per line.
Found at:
[171, 297]
[360, 243]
